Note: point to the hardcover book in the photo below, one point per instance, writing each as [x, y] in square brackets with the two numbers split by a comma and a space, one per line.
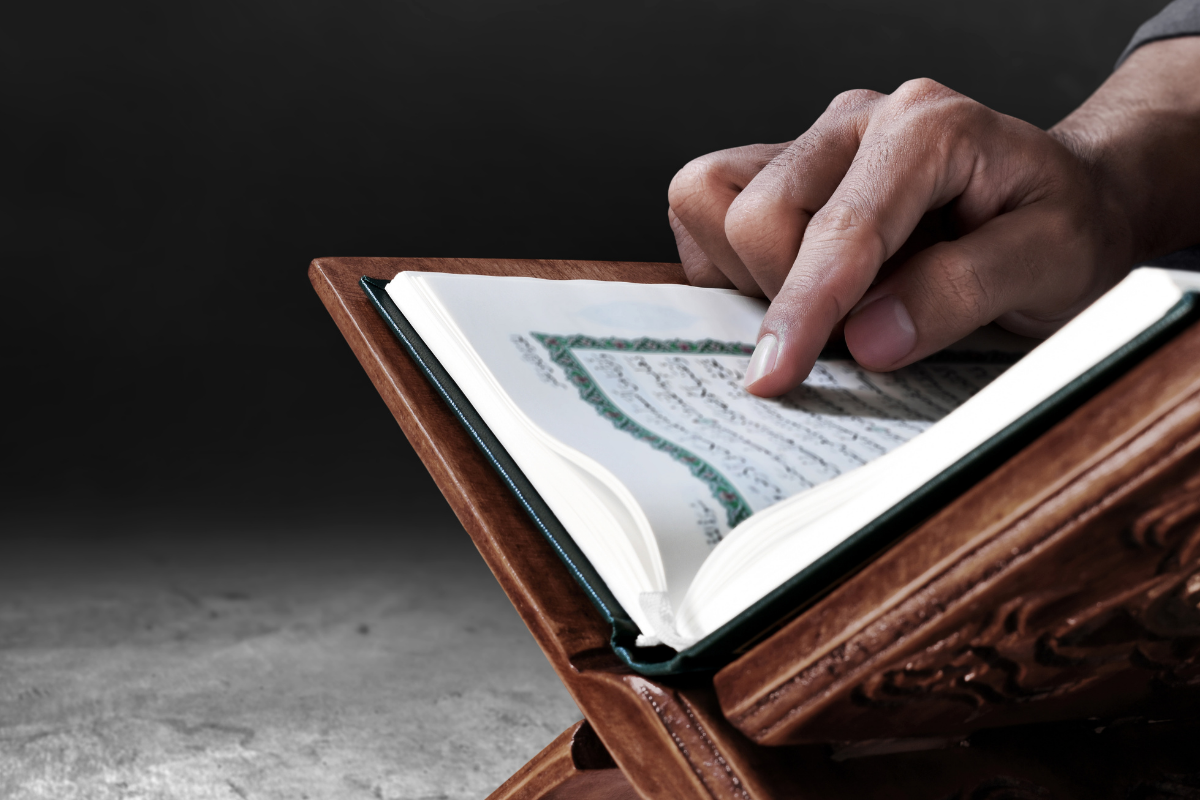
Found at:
[695, 515]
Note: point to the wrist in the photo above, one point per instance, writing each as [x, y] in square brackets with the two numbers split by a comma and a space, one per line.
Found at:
[1106, 193]
[1138, 138]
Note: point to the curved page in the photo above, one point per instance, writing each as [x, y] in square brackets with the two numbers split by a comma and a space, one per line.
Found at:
[644, 383]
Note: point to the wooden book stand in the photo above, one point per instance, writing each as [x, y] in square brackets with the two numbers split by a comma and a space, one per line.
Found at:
[1038, 638]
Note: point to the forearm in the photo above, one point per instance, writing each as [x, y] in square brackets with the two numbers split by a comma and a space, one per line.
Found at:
[1140, 132]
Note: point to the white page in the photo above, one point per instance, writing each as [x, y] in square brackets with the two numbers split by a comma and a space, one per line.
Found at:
[795, 533]
[646, 381]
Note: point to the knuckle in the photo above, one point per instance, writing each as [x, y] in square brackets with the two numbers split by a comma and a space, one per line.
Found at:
[837, 220]
[970, 293]
[852, 100]
[921, 90]
[701, 191]
[937, 112]
[686, 184]
[842, 233]
[844, 223]
[743, 223]
[752, 228]
[693, 182]
[925, 116]
[746, 219]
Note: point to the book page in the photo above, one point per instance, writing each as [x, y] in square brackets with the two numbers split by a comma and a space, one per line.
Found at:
[646, 381]
[685, 399]
[781, 542]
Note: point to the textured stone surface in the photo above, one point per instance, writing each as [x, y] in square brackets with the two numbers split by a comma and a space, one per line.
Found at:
[208, 661]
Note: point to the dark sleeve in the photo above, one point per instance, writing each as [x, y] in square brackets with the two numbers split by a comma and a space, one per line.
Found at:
[1180, 18]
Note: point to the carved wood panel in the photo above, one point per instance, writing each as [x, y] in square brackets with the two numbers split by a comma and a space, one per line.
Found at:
[1064, 637]
[1077, 631]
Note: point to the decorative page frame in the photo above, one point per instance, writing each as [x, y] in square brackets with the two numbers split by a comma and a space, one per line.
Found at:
[560, 349]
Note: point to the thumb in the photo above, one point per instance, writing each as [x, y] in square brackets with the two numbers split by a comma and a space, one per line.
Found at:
[1018, 267]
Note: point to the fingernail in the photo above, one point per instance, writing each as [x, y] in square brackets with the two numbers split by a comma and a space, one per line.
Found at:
[881, 333]
[762, 363]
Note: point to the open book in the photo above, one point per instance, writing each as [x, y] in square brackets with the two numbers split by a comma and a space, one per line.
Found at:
[697, 514]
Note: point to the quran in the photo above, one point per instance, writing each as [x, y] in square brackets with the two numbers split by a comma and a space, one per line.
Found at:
[695, 515]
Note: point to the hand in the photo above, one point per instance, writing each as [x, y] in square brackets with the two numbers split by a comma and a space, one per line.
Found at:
[913, 218]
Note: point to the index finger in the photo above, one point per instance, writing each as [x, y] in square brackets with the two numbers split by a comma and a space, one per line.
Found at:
[908, 162]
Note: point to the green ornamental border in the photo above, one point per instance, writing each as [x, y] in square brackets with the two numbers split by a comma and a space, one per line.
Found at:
[560, 347]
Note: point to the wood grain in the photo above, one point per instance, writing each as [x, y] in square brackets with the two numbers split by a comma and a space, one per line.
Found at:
[670, 739]
[575, 766]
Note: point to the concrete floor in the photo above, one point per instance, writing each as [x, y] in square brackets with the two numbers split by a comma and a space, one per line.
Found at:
[210, 660]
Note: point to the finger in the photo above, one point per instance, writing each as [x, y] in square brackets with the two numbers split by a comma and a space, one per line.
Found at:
[700, 195]
[699, 269]
[766, 221]
[1019, 265]
[909, 162]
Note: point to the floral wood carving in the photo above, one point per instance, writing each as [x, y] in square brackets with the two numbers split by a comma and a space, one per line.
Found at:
[1048, 643]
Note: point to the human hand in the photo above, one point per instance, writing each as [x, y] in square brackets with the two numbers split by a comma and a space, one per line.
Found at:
[914, 218]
